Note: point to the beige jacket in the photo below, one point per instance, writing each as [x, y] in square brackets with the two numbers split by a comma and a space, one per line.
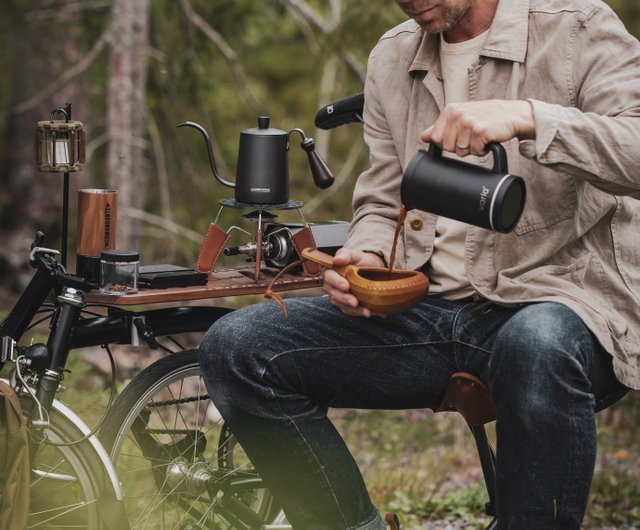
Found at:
[578, 241]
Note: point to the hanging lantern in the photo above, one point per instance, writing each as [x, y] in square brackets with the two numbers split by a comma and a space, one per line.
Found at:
[60, 146]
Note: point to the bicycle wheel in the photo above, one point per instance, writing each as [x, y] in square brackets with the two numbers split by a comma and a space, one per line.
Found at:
[179, 465]
[70, 485]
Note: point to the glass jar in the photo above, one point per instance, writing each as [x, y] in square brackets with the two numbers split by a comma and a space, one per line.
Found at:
[119, 272]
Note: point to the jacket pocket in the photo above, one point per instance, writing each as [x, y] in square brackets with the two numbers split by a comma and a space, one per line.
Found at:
[582, 279]
[551, 197]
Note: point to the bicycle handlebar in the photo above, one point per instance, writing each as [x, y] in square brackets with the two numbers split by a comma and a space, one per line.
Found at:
[117, 327]
[341, 112]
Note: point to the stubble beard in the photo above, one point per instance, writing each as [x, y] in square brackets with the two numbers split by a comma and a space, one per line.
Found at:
[450, 18]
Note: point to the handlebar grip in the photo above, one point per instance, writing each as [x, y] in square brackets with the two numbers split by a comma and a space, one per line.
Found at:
[341, 112]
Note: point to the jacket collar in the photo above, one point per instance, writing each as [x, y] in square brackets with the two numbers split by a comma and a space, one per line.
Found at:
[507, 38]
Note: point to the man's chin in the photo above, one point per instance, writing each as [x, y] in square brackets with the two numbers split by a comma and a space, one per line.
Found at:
[433, 27]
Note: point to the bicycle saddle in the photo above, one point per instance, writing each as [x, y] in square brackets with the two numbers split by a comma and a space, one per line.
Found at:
[469, 396]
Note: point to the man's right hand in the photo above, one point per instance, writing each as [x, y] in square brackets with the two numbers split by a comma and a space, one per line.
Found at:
[337, 287]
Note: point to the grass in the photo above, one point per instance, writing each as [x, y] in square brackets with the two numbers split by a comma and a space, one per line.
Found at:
[420, 465]
[424, 467]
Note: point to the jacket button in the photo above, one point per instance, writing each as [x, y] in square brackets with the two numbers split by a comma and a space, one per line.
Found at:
[416, 224]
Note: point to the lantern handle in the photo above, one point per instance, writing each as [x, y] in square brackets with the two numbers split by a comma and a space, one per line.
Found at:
[66, 110]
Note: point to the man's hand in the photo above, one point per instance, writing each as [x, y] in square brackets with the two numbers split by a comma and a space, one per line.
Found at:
[466, 128]
[337, 287]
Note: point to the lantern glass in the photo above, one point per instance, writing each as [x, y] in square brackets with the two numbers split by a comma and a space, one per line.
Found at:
[60, 146]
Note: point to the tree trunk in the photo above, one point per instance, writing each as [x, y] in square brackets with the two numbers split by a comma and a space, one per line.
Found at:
[127, 168]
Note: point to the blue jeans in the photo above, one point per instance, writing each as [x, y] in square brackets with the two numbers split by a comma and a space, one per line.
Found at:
[272, 380]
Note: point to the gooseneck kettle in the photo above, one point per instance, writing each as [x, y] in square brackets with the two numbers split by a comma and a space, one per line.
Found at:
[262, 175]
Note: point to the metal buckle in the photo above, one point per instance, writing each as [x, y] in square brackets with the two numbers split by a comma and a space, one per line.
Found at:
[8, 347]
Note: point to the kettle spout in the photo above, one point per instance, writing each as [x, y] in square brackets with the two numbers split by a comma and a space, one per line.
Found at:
[212, 160]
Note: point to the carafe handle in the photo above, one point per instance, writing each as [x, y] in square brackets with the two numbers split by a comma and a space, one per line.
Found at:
[499, 153]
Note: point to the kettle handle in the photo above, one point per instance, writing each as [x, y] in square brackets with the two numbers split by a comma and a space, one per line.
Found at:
[322, 175]
[498, 151]
[212, 160]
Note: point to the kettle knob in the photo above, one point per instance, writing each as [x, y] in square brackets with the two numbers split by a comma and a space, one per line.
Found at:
[264, 122]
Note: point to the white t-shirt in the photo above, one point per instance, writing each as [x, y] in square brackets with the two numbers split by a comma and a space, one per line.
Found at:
[446, 271]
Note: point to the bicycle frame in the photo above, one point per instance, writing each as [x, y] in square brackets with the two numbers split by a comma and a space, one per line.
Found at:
[70, 329]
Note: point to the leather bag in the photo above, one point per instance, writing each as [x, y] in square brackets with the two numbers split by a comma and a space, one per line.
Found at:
[14, 461]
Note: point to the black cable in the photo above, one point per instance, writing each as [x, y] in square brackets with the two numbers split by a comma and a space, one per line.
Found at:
[175, 341]
[106, 413]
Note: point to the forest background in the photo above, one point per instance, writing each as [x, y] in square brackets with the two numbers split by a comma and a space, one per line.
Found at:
[133, 70]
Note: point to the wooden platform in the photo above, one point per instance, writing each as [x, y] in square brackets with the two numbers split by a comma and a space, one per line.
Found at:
[222, 283]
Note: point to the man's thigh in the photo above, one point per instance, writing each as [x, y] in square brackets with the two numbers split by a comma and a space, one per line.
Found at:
[399, 361]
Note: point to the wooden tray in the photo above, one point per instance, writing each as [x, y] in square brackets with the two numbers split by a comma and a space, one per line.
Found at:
[223, 282]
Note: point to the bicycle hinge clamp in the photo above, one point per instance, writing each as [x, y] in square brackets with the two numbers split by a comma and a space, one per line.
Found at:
[139, 323]
[42, 250]
[8, 349]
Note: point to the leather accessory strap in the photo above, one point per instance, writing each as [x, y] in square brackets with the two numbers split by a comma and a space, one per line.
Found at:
[303, 239]
[392, 520]
[214, 241]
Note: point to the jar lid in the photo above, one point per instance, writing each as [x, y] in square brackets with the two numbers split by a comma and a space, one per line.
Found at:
[120, 255]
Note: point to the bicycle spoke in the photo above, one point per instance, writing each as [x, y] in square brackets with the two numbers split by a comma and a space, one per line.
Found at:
[178, 463]
[65, 510]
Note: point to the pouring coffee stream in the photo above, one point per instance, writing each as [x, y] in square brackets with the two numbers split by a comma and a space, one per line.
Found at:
[384, 290]
[392, 257]
[492, 199]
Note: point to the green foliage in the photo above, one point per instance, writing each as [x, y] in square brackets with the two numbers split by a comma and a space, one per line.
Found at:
[629, 13]
[424, 466]
[463, 504]
[615, 499]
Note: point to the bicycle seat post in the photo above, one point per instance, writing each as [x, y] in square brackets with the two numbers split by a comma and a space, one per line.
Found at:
[469, 396]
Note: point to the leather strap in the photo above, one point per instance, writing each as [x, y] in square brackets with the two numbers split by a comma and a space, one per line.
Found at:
[392, 520]
[214, 241]
[301, 240]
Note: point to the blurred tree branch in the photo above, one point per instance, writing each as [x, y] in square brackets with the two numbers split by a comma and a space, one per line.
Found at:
[68, 76]
[302, 9]
[227, 51]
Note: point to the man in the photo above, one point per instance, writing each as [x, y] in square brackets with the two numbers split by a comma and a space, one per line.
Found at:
[546, 316]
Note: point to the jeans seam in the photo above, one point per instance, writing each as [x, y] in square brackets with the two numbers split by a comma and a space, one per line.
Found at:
[452, 332]
[330, 348]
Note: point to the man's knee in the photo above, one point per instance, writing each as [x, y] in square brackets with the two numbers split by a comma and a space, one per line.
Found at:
[229, 347]
[543, 351]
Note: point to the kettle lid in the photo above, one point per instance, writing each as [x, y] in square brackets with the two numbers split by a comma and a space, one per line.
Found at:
[263, 128]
